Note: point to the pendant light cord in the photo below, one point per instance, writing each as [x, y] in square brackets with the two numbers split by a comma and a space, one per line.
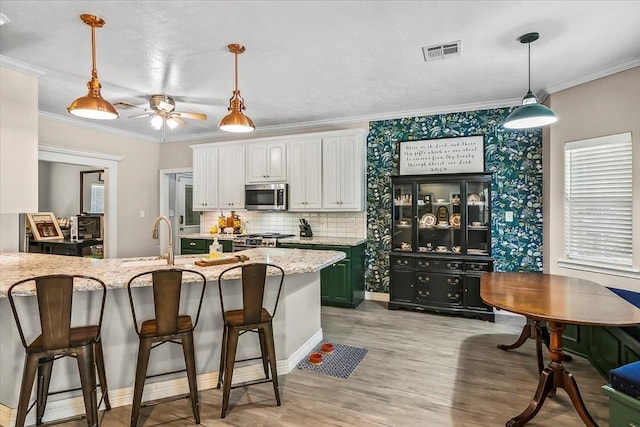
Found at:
[236, 61]
[529, 45]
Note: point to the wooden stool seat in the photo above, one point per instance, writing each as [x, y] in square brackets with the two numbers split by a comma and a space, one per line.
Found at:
[78, 337]
[236, 317]
[149, 328]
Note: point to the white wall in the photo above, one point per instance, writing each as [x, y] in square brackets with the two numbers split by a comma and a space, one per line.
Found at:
[605, 106]
[138, 181]
[59, 188]
[18, 152]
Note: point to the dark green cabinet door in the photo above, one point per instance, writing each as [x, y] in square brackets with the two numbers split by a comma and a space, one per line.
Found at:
[335, 285]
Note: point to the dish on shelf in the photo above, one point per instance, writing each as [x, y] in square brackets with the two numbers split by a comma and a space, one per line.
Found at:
[454, 220]
[442, 201]
[473, 198]
[441, 249]
[443, 225]
[456, 249]
[476, 251]
[428, 220]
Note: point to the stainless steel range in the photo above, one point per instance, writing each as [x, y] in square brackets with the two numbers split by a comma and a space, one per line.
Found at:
[257, 240]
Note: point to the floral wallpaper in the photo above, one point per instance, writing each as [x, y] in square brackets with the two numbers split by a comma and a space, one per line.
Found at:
[515, 157]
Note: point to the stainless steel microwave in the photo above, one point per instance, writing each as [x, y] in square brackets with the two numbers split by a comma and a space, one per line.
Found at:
[266, 197]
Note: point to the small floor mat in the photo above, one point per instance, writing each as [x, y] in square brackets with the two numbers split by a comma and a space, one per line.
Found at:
[340, 364]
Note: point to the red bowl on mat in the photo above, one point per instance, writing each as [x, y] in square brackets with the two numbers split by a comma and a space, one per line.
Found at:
[327, 348]
[315, 358]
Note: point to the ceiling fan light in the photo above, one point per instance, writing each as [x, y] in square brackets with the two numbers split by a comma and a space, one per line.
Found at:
[156, 122]
[172, 123]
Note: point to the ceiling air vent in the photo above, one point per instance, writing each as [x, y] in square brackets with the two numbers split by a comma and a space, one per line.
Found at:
[441, 51]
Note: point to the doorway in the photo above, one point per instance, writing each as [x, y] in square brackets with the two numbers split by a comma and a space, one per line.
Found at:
[186, 221]
[176, 203]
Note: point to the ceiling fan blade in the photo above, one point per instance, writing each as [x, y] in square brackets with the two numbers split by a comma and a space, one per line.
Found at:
[196, 116]
[137, 116]
[178, 120]
[125, 105]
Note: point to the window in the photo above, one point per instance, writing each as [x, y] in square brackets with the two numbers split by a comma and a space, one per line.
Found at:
[97, 198]
[598, 202]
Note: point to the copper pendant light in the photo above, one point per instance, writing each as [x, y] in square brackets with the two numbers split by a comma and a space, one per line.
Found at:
[236, 121]
[93, 106]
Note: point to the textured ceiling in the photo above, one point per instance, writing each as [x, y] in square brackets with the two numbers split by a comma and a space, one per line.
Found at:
[313, 62]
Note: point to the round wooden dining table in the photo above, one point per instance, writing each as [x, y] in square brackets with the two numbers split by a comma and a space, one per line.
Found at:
[557, 300]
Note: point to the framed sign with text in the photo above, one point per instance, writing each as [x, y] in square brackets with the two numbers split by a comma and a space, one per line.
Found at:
[442, 155]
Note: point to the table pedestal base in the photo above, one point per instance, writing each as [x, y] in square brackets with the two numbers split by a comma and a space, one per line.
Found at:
[552, 377]
[538, 332]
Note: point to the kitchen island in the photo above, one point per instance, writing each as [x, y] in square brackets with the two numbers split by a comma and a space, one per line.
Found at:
[297, 327]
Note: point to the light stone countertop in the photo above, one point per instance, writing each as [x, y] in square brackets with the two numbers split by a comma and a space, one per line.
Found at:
[15, 266]
[328, 241]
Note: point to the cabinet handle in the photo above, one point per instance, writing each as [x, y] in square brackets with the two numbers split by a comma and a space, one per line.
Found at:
[454, 282]
[423, 263]
[192, 243]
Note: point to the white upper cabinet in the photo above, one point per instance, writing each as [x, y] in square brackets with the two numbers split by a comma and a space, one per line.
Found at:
[231, 176]
[205, 178]
[305, 174]
[266, 162]
[343, 173]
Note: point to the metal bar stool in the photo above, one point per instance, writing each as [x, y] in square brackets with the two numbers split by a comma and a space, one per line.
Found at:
[57, 339]
[252, 317]
[167, 326]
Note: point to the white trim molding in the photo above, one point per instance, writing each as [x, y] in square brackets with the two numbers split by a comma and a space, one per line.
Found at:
[109, 163]
[23, 67]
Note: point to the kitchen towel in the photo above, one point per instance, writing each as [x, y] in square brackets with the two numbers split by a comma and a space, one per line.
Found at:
[340, 364]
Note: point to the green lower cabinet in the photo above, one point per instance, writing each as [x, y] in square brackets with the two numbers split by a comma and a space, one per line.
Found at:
[341, 284]
[577, 339]
[606, 348]
[190, 246]
[335, 285]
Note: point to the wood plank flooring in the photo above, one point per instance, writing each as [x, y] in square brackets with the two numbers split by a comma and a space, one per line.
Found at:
[421, 370]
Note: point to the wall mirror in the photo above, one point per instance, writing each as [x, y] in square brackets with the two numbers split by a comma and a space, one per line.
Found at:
[92, 191]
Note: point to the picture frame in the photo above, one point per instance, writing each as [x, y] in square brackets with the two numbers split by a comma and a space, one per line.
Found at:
[442, 155]
[44, 226]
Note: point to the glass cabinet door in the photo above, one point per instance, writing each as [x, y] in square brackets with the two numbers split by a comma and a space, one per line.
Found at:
[402, 221]
[478, 218]
[438, 214]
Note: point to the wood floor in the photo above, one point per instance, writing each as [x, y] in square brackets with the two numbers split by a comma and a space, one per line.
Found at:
[421, 370]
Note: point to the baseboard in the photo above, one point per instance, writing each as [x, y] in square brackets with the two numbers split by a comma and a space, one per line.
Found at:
[74, 406]
[376, 296]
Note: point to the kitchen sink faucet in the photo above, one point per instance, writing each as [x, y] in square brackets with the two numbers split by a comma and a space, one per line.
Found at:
[154, 235]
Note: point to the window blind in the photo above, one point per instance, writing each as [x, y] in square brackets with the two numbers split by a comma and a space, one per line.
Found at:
[97, 198]
[598, 200]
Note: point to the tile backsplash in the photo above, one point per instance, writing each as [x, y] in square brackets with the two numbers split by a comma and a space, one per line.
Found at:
[323, 224]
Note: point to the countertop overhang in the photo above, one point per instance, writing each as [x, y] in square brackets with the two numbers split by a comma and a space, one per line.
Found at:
[16, 266]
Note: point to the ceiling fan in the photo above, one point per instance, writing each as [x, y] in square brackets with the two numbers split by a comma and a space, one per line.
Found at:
[162, 112]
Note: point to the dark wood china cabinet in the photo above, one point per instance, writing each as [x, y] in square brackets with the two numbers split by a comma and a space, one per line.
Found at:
[440, 243]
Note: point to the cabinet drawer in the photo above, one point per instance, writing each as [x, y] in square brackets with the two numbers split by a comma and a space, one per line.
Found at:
[439, 289]
[199, 245]
[477, 266]
[403, 262]
[439, 264]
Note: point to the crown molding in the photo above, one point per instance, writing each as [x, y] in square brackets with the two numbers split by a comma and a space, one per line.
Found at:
[23, 67]
[613, 69]
[303, 126]
[94, 126]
